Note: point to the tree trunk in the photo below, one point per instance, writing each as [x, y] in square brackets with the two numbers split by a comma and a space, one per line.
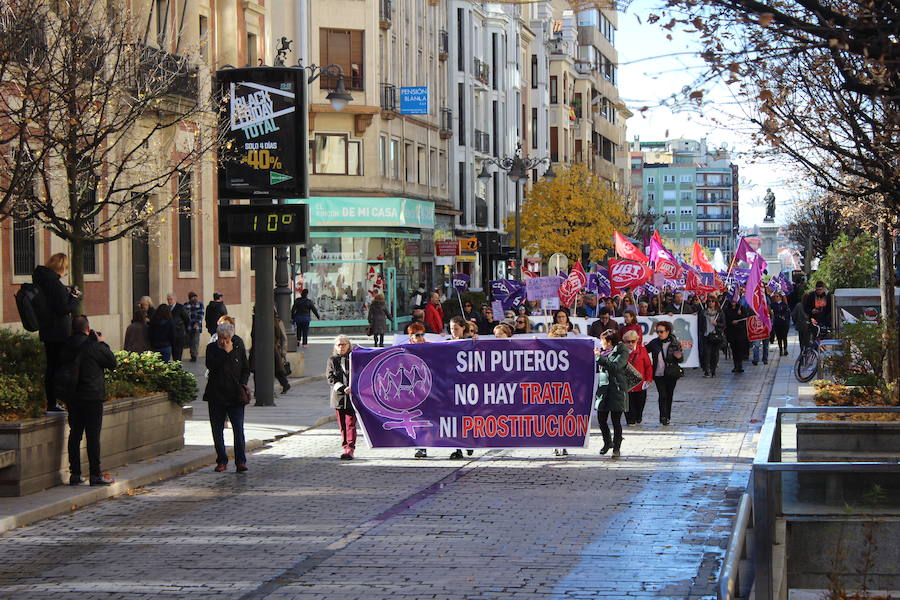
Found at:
[76, 269]
[891, 367]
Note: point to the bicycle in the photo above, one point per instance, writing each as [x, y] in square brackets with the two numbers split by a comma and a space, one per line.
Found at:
[809, 363]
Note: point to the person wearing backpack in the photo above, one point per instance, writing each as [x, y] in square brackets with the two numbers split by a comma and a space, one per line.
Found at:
[215, 309]
[80, 381]
[55, 317]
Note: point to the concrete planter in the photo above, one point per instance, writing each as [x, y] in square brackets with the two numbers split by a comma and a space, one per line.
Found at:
[134, 429]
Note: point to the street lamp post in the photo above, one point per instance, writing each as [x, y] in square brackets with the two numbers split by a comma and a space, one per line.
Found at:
[338, 98]
[516, 168]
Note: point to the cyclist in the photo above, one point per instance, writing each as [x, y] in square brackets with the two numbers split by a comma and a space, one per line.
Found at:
[801, 324]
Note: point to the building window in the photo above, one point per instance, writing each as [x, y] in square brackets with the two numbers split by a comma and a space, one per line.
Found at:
[687, 211]
[161, 22]
[668, 179]
[203, 33]
[382, 156]
[420, 166]
[433, 168]
[668, 226]
[498, 222]
[534, 128]
[185, 223]
[343, 47]
[461, 95]
[410, 158]
[24, 246]
[651, 196]
[252, 50]
[460, 39]
[534, 71]
[651, 179]
[669, 210]
[554, 144]
[687, 226]
[686, 196]
[90, 250]
[335, 154]
[442, 169]
[554, 98]
[687, 179]
[462, 194]
[225, 258]
[395, 159]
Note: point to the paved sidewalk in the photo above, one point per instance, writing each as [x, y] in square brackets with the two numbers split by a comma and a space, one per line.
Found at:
[503, 525]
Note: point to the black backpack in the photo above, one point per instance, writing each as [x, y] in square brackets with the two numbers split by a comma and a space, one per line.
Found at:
[32, 305]
[66, 376]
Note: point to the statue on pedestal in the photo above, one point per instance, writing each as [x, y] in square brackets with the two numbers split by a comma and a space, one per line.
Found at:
[770, 205]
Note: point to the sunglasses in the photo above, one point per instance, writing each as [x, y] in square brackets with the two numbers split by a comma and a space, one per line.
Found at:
[631, 341]
[418, 335]
[662, 331]
[520, 322]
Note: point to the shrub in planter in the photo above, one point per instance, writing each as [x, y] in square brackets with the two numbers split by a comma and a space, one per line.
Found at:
[860, 361]
[21, 397]
[146, 372]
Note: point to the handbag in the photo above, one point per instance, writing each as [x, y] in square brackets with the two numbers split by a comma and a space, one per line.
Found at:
[244, 393]
[287, 368]
[715, 337]
[673, 370]
[632, 377]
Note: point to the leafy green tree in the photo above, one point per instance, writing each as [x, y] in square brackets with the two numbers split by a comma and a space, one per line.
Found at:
[849, 262]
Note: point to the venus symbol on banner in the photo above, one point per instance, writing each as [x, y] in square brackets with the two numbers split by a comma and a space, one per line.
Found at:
[400, 382]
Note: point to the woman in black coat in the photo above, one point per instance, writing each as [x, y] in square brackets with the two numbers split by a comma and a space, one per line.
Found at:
[229, 369]
[56, 321]
[665, 353]
[162, 332]
[736, 332]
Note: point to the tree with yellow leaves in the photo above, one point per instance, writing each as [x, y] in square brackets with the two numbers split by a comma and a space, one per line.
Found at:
[576, 208]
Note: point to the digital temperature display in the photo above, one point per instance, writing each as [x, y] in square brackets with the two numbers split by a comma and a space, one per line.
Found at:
[263, 225]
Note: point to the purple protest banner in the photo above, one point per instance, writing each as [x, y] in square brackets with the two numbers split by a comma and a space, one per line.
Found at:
[514, 393]
[538, 288]
[460, 282]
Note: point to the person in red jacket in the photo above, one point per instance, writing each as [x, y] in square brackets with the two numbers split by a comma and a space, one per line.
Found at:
[640, 360]
[434, 313]
[631, 324]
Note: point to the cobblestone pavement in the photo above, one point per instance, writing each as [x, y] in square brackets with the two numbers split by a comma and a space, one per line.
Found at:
[502, 525]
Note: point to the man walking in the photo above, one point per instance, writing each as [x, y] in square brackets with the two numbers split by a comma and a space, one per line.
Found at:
[214, 311]
[182, 324]
[91, 355]
[195, 322]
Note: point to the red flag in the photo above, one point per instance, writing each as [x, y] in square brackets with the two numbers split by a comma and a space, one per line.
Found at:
[527, 273]
[699, 260]
[697, 285]
[657, 237]
[756, 329]
[670, 269]
[625, 274]
[573, 284]
[626, 249]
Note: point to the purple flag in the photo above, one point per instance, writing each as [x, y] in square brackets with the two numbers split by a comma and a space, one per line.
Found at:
[746, 253]
[657, 251]
[651, 289]
[460, 282]
[515, 393]
[598, 283]
[755, 295]
[508, 292]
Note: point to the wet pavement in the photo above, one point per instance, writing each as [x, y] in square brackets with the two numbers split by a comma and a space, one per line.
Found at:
[503, 524]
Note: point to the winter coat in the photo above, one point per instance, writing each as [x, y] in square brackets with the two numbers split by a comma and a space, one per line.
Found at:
[162, 333]
[56, 323]
[280, 340]
[801, 321]
[615, 399]
[640, 360]
[337, 371]
[214, 311]
[94, 357]
[822, 315]
[434, 317]
[781, 316]
[137, 338]
[227, 371]
[719, 323]
[182, 322]
[596, 328]
[654, 347]
[378, 317]
[303, 308]
[735, 333]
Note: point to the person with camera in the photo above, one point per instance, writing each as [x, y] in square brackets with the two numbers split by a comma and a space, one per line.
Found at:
[86, 354]
[55, 318]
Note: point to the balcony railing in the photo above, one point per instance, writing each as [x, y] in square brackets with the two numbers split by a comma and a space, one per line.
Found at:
[482, 142]
[713, 231]
[714, 216]
[446, 123]
[389, 97]
[443, 44]
[151, 67]
[713, 199]
[385, 12]
[482, 71]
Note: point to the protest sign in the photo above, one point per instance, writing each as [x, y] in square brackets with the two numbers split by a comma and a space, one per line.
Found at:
[538, 288]
[514, 393]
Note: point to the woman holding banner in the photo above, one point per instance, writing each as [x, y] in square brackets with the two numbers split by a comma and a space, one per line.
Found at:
[561, 317]
[640, 360]
[631, 324]
[337, 372]
[711, 327]
[665, 352]
[459, 330]
[417, 336]
[736, 333]
[612, 391]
